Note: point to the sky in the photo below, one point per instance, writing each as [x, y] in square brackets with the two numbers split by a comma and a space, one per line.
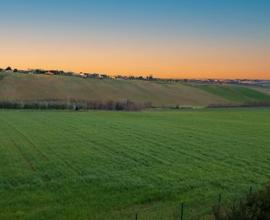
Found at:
[164, 38]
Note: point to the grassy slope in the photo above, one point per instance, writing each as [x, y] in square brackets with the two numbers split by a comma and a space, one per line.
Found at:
[87, 165]
[236, 93]
[33, 87]
[2, 76]
[41, 87]
[265, 90]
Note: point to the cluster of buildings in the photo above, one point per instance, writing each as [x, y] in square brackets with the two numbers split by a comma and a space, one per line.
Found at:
[57, 72]
[81, 75]
[148, 78]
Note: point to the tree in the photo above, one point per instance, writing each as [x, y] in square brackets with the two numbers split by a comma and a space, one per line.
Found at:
[150, 77]
[8, 68]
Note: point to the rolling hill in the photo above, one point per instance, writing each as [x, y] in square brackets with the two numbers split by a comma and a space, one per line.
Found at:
[27, 87]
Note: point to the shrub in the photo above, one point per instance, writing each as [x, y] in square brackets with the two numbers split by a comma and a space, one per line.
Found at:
[245, 104]
[76, 105]
[255, 206]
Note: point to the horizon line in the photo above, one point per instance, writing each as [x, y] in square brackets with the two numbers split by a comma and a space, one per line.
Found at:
[132, 75]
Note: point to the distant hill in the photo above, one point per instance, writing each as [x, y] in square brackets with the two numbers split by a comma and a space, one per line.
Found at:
[31, 87]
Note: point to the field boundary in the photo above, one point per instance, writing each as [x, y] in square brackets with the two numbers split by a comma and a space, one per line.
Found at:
[217, 212]
[126, 105]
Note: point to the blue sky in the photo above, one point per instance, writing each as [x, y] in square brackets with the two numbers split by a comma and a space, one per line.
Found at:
[157, 23]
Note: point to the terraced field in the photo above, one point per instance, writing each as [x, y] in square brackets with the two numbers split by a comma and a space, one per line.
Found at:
[111, 165]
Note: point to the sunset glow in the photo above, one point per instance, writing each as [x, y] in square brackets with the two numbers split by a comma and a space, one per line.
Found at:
[179, 39]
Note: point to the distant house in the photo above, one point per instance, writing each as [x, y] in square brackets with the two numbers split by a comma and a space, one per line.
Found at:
[83, 75]
[104, 76]
[49, 73]
[93, 75]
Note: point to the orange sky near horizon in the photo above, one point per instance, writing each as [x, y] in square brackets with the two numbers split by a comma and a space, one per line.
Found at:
[159, 62]
[166, 39]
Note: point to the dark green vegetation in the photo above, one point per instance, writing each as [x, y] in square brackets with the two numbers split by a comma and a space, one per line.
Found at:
[18, 87]
[2, 76]
[256, 205]
[110, 165]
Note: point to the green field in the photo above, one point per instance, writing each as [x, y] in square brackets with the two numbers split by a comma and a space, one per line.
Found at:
[237, 93]
[110, 165]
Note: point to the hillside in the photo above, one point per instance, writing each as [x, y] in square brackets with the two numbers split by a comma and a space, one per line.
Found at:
[237, 93]
[264, 89]
[26, 87]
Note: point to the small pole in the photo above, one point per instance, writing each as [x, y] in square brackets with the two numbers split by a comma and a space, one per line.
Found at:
[219, 199]
[182, 211]
[219, 202]
[233, 206]
[136, 216]
[219, 205]
[250, 190]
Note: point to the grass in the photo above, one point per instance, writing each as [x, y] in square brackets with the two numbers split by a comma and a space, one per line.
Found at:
[16, 86]
[2, 75]
[265, 89]
[110, 165]
[236, 93]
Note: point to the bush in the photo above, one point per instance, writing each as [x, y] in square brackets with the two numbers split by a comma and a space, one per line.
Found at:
[255, 206]
[245, 104]
[76, 105]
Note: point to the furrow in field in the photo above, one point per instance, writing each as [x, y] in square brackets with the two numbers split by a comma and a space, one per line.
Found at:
[168, 142]
[230, 140]
[154, 149]
[201, 152]
[117, 147]
[52, 151]
[145, 140]
[113, 154]
[128, 161]
[206, 135]
[135, 150]
[78, 135]
[24, 156]
[28, 140]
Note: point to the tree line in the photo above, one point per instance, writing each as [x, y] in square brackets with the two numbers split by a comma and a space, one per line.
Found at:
[124, 105]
